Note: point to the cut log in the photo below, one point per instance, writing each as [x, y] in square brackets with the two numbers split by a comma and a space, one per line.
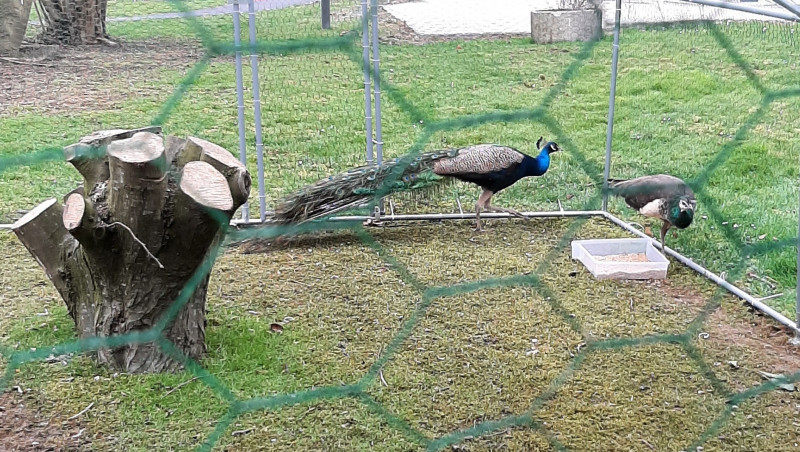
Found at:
[206, 186]
[42, 233]
[223, 161]
[87, 154]
[76, 209]
[121, 253]
[137, 187]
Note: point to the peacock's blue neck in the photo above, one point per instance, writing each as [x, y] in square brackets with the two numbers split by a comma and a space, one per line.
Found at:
[536, 166]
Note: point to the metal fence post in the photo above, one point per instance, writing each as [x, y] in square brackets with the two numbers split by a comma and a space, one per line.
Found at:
[376, 86]
[367, 82]
[611, 100]
[237, 29]
[326, 14]
[796, 340]
[251, 22]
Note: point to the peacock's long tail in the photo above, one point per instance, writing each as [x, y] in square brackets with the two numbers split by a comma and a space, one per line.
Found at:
[360, 185]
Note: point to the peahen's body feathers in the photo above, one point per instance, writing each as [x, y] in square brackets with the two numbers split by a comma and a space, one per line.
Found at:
[493, 167]
[661, 196]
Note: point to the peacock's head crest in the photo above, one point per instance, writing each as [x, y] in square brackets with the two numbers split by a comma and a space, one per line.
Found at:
[681, 213]
[550, 147]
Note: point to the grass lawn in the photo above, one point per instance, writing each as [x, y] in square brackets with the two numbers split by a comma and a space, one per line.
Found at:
[717, 107]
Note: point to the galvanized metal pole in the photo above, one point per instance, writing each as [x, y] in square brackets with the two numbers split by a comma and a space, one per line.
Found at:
[745, 8]
[367, 83]
[251, 22]
[797, 289]
[376, 76]
[237, 40]
[790, 6]
[611, 100]
[326, 14]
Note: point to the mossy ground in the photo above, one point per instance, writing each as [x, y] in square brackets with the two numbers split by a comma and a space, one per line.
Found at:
[484, 341]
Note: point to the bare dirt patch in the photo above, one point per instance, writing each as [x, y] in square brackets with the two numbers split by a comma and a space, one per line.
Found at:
[62, 80]
[734, 325]
[24, 429]
[737, 341]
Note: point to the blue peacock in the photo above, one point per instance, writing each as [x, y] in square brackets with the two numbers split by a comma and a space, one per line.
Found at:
[661, 196]
[492, 167]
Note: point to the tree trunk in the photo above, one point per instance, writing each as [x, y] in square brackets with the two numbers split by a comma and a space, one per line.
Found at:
[127, 242]
[73, 22]
[13, 23]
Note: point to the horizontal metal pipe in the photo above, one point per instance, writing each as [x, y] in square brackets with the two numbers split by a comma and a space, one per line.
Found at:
[708, 274]
[790, 6]
[745, 8]
[471, 216]
[449, 216]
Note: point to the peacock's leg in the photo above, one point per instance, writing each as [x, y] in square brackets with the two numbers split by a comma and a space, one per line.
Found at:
[491, 208]
[664, 228]
[483, 201]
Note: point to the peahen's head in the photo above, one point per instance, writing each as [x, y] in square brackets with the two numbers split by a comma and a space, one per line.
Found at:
[681, 212]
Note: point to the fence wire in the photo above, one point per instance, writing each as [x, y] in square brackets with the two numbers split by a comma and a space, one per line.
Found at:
[682, 90]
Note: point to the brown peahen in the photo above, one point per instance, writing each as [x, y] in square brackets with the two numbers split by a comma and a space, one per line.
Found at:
[661, 196]
[490, 166]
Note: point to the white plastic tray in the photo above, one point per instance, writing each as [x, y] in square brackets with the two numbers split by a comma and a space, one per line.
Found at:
[588, 251]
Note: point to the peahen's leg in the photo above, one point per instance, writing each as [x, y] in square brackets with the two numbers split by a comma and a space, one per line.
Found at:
[664, 228]
[483, 200]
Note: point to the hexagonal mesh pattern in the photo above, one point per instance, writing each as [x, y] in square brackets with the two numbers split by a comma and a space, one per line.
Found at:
[480, 290]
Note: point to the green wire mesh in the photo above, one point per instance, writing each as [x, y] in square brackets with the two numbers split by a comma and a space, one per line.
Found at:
[314, 50]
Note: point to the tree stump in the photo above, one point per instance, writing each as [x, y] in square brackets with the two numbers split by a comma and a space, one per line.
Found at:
[13, 23]
[126, 243]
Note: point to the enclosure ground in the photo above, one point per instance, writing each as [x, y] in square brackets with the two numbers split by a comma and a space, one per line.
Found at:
[23, 429]
[57, 80]
[470, 328]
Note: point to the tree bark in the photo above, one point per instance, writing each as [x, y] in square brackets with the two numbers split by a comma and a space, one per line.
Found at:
[73, 22]
[121, 251]
[13, 23]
